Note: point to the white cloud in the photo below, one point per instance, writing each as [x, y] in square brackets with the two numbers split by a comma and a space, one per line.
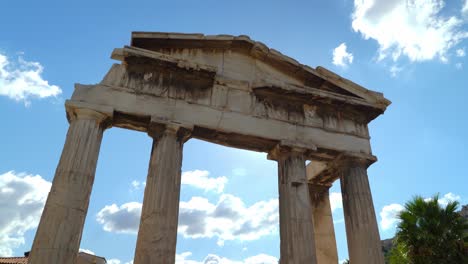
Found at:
[184, 258]
[341, 57]
[394, 70]
[339, 221]
[120, 219]
[390, 212]
[117, 261]
[449, 197]
[214, 259]
[22, 81]
[389, 215]
[336, 201]
[465, 8]
[413, 28]
[261, 259]
[199, 179]
[87, 251]
[460, 52]
[228, 219]
[137, 185]
[22, 198]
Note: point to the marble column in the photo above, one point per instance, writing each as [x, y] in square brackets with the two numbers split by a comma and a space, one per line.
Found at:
[297, 243]
[157, 234]
[325, 242]
[59, 233]
[361, 225]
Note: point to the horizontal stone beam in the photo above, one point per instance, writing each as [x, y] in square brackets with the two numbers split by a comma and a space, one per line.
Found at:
[315, 168]
[140, 108]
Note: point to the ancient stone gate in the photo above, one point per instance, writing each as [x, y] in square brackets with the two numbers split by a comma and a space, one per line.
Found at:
[235, 92]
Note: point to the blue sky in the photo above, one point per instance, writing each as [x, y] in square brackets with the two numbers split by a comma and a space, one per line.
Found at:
[412, 51]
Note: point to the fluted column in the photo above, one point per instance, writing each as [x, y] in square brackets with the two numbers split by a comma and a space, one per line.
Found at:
[297, 243]
[59, 233]
[361, 225]
[157, 235]
[325, 242]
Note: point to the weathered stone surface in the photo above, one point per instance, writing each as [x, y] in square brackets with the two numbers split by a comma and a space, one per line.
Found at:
[157, 235]
[297, 242]
[324, 231]
[232, 91]
[223, 120]
[361, 224]
[59, 233]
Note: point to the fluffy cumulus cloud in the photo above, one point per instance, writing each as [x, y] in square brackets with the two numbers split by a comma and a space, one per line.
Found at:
[137, 185]
[120, 219]
[118, 261]
[448, 197]
[228, 219]
[22, 81]
[341, 57]
[336, 201]
[460, 52]
[184, 258]
[22, 198]
[395, 70]
[199, 179]
[87, 251]
[389, 213]
[465, 8]
[416, 29]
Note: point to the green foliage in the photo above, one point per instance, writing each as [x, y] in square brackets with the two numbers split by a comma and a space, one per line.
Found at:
[398, 254]
[430, 234]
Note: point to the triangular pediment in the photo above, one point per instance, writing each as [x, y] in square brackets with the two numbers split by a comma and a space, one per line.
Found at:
[240, 59]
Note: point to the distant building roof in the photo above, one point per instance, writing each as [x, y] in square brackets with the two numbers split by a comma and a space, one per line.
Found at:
[14, 260]
[83, 258]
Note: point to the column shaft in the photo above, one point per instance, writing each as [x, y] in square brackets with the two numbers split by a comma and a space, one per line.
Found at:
[325, 242]
[157, 235]
[361, 224]
[59, 233]
[296, 223]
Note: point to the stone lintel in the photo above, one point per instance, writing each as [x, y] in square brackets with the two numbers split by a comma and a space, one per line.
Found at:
[315, 168]
[133, 110]
[334, 168]
[80, 110]
[222, 127]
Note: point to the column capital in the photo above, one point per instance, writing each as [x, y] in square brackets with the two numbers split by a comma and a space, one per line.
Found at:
[318, 192]
[82, 111]
[347, 160]
[157, 128]
[319, 188]
[286, 149]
